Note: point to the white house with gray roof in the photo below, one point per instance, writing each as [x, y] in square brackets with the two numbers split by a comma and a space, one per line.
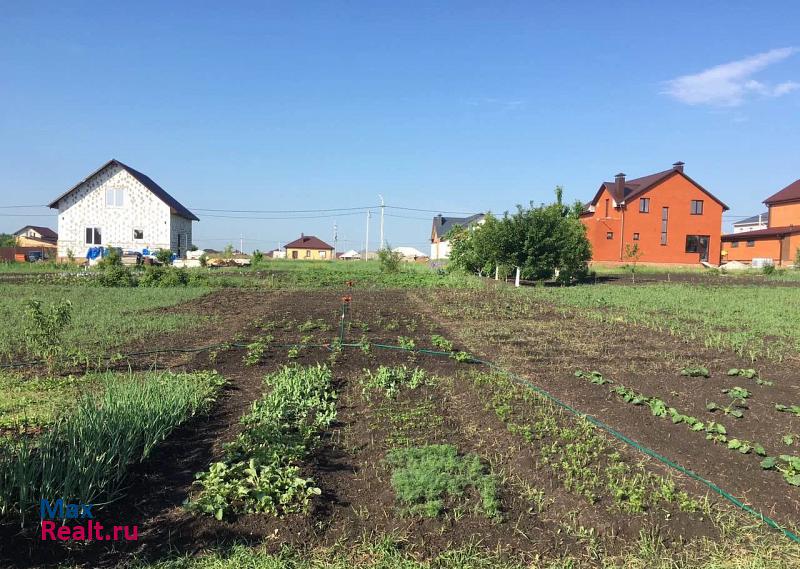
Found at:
[753, 223]
[117, 206]
[440, 247]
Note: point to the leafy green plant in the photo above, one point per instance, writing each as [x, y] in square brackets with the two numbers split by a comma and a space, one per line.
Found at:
[794, 409]
[787, 465]
[256, 349]
[391, 380]
[442, 343]
[592, 377]
[260, 470]
[406, 343]
[736, 408]
[43, 330]
[428, 479]
[749, 373]
[695, 371]
[164, 256]
[293, 353]
[461, 357]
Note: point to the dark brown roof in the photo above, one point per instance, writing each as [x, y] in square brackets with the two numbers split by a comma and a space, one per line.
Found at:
[789, 193]
[769, 232]
[637, 186]
[46, 233]
[308, 242]
[143, 179]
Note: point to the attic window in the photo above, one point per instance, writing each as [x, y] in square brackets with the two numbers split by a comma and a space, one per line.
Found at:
[644, 205]
[115, 197]
[697, 207]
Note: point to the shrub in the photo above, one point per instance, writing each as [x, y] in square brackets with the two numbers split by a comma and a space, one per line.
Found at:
[44, 328]
[768, 269]
[203, 260]
[389, 260]
[113, 258]
[257, 257]
[164, 256]
[116, 276]
[797, 259]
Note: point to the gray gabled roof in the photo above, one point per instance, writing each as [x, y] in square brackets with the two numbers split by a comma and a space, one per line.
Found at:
[442, 224]
[753, 220]
[143, 179]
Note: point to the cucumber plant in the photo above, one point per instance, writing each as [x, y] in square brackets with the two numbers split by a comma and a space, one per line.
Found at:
[739, 396]
[749, 373]
[695, 371]
[794, 409]
[592, 377]
[787, 465]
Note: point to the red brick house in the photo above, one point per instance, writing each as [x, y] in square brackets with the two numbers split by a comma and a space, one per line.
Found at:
[780, 240]
[672, 218]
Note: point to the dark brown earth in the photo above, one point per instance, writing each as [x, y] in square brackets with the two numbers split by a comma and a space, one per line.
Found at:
[546, 345]
[357, 497]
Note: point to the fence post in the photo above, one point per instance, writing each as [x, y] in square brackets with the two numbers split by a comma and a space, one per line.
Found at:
[516, 280]
[497, 272]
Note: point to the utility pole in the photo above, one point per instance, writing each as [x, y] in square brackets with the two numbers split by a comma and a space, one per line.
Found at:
[383, 244]
[241, 243]
[335, 238]
[366, 242]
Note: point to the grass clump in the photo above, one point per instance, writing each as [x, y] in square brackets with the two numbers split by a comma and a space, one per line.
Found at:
[425, 479]
[260, 471]
[85, 455]
[391, 380]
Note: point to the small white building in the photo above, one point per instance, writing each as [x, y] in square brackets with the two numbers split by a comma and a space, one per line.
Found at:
[440, 247]
[350, 255]
[754, 223]
[117, 206]
[410, 253]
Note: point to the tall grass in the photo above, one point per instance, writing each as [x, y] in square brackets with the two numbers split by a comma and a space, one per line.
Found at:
[85, 456]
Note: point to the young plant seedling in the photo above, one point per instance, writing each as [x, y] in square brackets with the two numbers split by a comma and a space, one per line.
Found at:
[749, 373]
[592, 377]
[695, 371]
[738, 397]
[794, 409]
[406, 343]
[788, 465]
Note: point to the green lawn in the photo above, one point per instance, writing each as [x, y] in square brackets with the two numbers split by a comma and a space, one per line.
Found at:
[287, 274]
[755, 321]
[102, 318]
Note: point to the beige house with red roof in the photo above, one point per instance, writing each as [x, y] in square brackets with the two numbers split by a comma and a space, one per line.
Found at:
[309, 248]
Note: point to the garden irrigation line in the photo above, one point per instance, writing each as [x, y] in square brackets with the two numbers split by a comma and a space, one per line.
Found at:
[511, 375]
[613, 432]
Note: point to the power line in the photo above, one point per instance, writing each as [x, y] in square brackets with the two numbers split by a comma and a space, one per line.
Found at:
[286, 210]
[20, 206]
[327, 216]
[431, 210]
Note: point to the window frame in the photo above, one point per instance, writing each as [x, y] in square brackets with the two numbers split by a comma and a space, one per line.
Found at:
[734, 244]
[697, 207]
[664, 225]
[323, 254]
[610, 235]
[96, 236]
[141, 237]
[751, 243]
[636, 237]
[644, 205]
[118, 197]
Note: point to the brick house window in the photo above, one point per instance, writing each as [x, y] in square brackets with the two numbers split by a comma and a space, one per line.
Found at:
[751, 243]
[138, 233]
[609, 235]
[635, 236]
[644, 205]
[664, 221]
[115, 197]
[94, 236]
[697, 207]
[734, 244]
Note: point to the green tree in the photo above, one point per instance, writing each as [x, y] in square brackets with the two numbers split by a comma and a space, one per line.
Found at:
[390, 260]
[164, 256]
[541, 240]
[633, 254]
[7, 240]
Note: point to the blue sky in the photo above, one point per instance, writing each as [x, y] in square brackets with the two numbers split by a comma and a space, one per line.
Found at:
[462, 106]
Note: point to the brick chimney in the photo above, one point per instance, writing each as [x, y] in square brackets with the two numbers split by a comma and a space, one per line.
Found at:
[619, 180]
[678, 166]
